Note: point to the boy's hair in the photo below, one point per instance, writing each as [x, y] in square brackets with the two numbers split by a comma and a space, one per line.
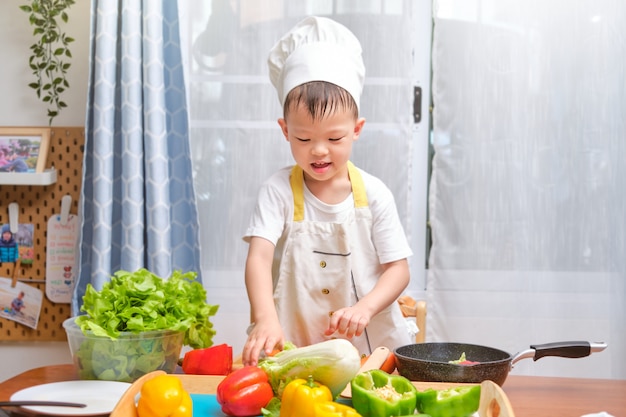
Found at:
[321, 98]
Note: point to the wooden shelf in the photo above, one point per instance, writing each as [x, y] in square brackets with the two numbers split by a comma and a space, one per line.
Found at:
[47, 177]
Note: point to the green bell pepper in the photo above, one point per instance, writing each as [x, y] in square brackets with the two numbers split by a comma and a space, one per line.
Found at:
[375, 393]
[453, 402]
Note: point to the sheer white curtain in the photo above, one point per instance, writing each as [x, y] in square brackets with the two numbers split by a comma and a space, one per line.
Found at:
[528, 192]
[237, 144]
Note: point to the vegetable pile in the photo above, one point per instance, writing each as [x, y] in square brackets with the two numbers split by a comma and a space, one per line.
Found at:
[306, 382]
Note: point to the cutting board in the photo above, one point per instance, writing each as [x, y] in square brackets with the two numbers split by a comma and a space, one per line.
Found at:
[493, 401]
[206, 405]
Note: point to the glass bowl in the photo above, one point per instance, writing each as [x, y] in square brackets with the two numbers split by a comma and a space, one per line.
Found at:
[125, 359]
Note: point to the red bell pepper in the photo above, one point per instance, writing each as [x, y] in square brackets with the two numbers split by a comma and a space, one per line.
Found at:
[244, 392]
[214, 360]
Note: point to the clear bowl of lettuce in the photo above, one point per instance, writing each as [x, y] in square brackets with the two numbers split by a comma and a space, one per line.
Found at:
[138, 323]
[125, 358]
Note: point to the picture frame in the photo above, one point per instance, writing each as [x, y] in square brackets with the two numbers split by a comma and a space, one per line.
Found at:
[24, 149]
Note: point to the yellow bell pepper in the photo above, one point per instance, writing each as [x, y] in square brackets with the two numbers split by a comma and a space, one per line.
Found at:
[164, 396]
[300, 395]
[333, 409]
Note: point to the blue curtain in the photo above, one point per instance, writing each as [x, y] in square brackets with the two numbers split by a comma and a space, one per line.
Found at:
[137, 204]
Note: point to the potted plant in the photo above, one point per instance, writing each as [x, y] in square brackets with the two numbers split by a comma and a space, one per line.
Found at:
[50, 54]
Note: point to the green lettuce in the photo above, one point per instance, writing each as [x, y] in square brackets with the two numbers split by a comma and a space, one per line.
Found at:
[142, 301]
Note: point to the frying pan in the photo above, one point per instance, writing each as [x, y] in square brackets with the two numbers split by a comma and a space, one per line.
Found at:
[430, 361]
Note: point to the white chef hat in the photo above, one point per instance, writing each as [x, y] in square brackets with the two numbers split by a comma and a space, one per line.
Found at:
[317, 49]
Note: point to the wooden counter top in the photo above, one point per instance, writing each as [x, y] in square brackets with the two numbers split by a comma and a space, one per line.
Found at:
[530, 396]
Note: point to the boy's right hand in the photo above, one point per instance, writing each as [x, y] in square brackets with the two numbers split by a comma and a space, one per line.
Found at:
[262, 338]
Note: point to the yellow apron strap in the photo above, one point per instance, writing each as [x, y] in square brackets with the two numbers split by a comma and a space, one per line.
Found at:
[358, 187]
[297, 188]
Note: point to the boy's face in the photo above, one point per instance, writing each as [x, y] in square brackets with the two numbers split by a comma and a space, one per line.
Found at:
[321, 147]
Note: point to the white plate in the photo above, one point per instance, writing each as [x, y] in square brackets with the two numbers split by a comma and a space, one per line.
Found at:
[100, 396]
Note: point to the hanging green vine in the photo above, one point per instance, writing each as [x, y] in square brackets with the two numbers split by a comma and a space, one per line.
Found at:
[49, 59]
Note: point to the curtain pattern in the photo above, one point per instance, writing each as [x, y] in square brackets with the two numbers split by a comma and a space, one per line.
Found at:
[528, 194]
[138, 204]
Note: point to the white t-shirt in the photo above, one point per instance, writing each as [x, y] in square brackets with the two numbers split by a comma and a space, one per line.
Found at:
[274, 210]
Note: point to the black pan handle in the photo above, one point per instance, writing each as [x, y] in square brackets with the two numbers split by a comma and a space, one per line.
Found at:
[570, 349]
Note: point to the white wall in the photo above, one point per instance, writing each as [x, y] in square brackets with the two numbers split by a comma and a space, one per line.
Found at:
[19, 106]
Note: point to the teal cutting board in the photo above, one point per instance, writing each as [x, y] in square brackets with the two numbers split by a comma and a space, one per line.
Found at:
[206, 405]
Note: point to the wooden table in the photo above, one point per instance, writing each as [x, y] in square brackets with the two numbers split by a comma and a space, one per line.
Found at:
[530, 396]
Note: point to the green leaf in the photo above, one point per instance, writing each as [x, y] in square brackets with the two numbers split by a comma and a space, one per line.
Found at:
[46, 60]
[141, 301]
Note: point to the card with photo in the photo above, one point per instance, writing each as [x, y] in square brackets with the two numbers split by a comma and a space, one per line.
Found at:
[20, 303]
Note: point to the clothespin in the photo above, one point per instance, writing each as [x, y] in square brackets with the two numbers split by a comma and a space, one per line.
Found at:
[66, 203]
[14, 209]
[16, 268]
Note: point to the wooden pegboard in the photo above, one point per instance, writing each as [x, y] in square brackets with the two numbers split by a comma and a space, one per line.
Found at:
[36, 205]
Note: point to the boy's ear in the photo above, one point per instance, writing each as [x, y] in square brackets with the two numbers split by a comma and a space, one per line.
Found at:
[358, 127]
[283, 127]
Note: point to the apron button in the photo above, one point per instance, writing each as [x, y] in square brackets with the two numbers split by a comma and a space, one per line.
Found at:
[325, 291]
[323, 264]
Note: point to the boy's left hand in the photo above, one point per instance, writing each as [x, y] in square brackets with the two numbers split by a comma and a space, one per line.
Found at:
[349, 321]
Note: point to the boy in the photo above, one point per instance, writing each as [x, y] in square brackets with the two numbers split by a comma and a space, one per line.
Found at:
[327, 255]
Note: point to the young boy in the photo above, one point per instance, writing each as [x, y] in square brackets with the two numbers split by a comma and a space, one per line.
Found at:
[327, 255]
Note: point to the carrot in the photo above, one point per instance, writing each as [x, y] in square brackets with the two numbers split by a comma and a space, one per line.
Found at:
[390, 363]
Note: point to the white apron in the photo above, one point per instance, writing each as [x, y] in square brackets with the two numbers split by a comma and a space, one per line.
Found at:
[327, 266]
